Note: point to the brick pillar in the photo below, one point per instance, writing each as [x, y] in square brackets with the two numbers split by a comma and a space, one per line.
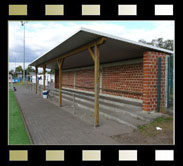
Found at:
[150, 80]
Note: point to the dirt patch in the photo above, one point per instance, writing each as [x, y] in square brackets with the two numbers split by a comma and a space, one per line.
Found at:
[148, 134]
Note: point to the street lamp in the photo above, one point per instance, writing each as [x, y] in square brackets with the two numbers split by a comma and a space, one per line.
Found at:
[23, 24]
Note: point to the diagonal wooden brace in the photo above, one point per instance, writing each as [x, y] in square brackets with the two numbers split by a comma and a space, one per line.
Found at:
[60, 64]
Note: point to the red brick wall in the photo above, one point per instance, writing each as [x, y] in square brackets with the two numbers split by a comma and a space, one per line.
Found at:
[68, 79]
[123, 78]
[150, 72]
[85, 80]
[140, 78]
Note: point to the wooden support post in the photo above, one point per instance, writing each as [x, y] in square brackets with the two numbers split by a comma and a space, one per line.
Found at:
[44, 71]
[97, 84]
[36, 79]
[60, 63]
[96, 58]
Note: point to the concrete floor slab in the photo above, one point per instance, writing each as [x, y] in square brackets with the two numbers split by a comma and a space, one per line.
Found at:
[49, 124]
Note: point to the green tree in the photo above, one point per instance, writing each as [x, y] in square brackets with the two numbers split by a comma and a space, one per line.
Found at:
[19, 69]
[52, 71]
[167, 44]
[11, 72]
[29, 69]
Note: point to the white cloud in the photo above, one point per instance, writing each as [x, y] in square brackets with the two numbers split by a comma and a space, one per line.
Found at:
[42, 37]
[13, 65]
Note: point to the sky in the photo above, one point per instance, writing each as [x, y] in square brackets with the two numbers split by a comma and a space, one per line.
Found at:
[42, 36]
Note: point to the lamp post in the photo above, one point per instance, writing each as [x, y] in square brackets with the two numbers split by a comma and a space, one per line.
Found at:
[15, 68]
[23, 24]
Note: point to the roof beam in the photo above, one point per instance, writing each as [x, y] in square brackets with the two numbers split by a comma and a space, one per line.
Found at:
[76, 51]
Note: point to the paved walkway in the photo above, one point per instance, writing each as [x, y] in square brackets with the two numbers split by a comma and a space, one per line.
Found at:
[50, 124]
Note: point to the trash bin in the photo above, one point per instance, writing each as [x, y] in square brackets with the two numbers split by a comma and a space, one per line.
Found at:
[45, 94]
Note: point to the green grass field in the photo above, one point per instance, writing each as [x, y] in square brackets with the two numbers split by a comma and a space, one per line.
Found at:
[17, 132]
